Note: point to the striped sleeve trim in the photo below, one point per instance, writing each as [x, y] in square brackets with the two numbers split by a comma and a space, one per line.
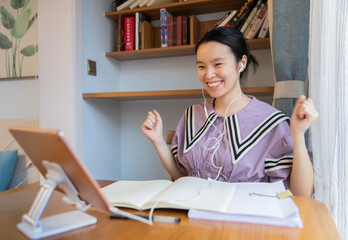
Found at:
[275, 164]
[174, 150]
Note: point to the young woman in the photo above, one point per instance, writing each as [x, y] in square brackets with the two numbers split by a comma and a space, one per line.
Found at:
[234, 137]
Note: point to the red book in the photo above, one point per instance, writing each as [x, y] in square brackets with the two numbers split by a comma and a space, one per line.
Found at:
[179, 30]
[174, 31]
[170, 31]
[185, 24]
[129, 33]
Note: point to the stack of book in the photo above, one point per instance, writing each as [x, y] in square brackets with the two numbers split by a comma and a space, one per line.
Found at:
[174, 29]
[251, 19]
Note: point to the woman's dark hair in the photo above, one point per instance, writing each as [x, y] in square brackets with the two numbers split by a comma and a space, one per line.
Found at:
[234, 40]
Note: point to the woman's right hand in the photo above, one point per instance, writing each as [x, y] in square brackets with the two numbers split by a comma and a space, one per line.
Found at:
[153, 127]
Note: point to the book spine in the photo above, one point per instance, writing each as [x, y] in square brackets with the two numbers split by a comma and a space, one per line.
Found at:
[179, 30]
[241, 24]
[229, 17]
[218, 23]
[174, 31]
[125, 5]
[143, 3]
[185, 30]
[137, 27]
[141, 19]
[163, 24]
[241, 13]
[265, 28]
[253, 20]
[157, 2]
[129, 23]
[258, 23]
[134, 4]
[149, 3]
[251, 16]
[170, 31]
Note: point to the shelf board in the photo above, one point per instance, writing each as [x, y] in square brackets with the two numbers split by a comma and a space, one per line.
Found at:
[254, 44]
[180, 8]
[170, 94]
[153, 53]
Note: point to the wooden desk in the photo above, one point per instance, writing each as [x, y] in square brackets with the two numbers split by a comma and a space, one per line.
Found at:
[317, 222]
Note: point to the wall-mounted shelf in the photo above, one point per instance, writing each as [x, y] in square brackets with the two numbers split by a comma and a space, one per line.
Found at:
[181, 8]
[170, 94]
[254, 44]
[151, 35]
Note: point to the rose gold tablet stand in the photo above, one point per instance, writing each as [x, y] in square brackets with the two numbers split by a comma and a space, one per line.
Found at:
[34, 227]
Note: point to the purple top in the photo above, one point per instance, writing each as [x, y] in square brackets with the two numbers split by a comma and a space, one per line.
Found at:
[256, 145]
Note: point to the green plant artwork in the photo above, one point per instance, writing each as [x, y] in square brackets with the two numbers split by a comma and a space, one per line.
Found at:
[17, 19]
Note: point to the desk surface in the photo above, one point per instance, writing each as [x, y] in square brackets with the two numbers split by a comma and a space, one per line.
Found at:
[317, 222]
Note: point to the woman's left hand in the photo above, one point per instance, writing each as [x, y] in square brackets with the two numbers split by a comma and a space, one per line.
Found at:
[303, 116]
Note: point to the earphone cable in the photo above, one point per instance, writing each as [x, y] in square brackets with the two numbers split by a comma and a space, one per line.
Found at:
[222, 133]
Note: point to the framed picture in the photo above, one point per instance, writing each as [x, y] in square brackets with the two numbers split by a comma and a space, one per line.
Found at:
[18, 39]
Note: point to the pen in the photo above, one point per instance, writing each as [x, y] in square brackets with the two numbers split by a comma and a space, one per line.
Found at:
[154, 218]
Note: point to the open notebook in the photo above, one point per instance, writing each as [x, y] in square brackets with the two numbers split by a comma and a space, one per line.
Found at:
[184, 193]
[210, 200]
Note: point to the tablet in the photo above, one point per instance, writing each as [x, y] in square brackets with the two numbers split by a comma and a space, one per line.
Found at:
[49, 145]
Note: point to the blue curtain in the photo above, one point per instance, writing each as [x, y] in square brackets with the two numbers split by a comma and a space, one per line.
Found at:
[290, 38]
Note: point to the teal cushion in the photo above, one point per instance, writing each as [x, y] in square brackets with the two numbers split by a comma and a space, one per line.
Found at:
[8, 162]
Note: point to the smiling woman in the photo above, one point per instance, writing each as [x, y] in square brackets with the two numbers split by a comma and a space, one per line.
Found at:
[219, 72]
[234, 137]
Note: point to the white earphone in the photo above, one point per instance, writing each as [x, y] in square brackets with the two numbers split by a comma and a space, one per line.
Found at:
[241, 67]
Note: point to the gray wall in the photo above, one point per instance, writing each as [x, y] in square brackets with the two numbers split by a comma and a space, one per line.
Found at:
[19, 98]
[101, 119]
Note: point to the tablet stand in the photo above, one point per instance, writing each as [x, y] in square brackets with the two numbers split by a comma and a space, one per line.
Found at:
[34, 227]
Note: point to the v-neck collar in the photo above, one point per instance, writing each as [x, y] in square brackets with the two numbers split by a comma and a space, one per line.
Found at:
[238, 146]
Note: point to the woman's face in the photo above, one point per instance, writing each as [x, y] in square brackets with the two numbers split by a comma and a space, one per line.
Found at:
[217, 70]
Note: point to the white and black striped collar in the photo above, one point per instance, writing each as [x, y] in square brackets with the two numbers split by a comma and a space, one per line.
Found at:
[238, 146]
[191, 137]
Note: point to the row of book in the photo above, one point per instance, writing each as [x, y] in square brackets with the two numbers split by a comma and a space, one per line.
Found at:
[174, 29]
[251, 19]
[131, 4]
[132, 31]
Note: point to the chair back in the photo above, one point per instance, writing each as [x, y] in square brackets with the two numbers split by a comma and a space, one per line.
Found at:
[170, 135]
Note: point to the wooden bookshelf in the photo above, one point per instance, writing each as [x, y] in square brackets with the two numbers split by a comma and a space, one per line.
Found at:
[254, 44]
[153, 50]
[170, 94]
[180, 8]
[151, 34]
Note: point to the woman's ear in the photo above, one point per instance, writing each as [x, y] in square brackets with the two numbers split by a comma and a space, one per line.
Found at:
[243, 63]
